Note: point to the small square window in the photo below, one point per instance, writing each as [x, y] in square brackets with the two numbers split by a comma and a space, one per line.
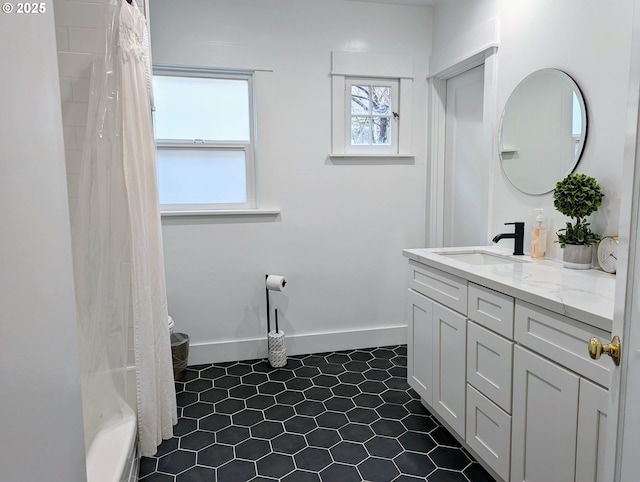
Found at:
[371, 124]
[370, 115]
[371, 105]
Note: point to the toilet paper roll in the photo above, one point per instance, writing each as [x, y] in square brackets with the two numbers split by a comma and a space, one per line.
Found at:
[276, 282]
[277, 349]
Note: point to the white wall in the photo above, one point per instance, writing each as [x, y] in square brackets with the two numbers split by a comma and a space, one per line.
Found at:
[343, 225]
[41, 436]
[588, 40]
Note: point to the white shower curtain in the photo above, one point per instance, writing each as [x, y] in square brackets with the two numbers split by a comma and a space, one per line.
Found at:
[118, 257]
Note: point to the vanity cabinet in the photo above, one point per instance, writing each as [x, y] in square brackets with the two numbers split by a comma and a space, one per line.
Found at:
[512, 379]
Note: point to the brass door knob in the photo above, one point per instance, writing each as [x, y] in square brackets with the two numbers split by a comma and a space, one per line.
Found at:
[596, 348]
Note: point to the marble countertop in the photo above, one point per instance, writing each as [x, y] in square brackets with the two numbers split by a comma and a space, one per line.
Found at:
[585, 295]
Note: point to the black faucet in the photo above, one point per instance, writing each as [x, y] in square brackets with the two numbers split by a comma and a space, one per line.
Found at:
[518, 236]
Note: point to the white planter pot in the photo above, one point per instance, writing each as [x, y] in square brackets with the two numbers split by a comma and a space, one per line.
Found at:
[577, 256]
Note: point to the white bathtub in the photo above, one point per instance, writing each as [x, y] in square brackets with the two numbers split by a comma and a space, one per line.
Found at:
[112, 456]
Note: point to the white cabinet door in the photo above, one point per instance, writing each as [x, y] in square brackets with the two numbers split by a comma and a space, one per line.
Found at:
[592, 422]
[544, 422]
[420, 339]
[449, 366]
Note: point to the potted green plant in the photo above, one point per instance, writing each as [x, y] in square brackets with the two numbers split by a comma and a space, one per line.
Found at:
[577, 196]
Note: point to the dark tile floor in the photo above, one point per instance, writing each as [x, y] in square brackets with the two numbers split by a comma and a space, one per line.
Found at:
[330, 417]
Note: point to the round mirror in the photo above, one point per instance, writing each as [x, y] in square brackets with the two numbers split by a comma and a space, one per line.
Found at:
[542, 131]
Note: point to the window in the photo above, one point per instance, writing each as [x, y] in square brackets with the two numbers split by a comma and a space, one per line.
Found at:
[371, 105]
[372, 118]
[203, 127]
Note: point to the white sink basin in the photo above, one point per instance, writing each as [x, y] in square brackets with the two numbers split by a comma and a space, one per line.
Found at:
[479, 257]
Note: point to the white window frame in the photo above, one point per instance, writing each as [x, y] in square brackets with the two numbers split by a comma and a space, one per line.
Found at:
[392, 147]
[366, 68]
[248, 147]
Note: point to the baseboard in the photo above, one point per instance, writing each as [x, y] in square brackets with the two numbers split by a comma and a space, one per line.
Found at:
[202, 353]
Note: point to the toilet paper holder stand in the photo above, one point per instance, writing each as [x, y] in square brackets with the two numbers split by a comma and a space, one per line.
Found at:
[268, 309]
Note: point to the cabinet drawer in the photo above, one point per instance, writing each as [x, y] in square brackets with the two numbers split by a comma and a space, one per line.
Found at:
[561, 339]
[488, 432]
[491, 309]
[489, 361]
[438, 285]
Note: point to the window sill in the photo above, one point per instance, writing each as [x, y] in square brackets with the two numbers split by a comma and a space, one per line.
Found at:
[369, 156]
[222, 212]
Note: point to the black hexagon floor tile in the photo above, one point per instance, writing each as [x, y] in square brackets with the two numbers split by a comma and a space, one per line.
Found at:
[253, 449]
[248, 417]
[236, 471]
[386, 447]
[310, 407]
[197, 440]
[378, 470]
[232, 435]
[323, 437]
[215, 455]
[345, 390]
[275, 465]
[197, 474]
[298, 384]
[261, 401]
[213, 422]
[267, 429]
[289, 397]
[343, 416]
[300, 476]
[341, 472]
[313, 459]
[288, 443]
[349, 453]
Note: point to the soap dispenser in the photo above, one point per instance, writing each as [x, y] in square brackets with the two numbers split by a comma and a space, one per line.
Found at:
[539, 236]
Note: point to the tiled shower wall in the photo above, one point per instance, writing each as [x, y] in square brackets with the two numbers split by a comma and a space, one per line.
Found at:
[78, 39]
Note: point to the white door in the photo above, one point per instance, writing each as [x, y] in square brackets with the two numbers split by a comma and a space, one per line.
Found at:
[466, 197]
[622, 460]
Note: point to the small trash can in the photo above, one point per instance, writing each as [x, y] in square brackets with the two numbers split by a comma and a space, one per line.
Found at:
[179, 354]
